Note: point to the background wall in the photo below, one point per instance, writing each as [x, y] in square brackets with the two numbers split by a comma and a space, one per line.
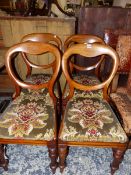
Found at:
[121, 3]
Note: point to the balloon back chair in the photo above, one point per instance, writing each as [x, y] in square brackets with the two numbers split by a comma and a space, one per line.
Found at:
[31, 118]
[40, 77]
[122, 105]
[88, 119]
[120, 40]
[80, 73]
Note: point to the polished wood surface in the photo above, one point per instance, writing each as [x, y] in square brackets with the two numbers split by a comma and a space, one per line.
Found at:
[43, 37]
[83, 38]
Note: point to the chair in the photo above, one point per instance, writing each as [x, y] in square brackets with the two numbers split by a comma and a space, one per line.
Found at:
[117, 39]
[88, 119]
[81, 38]
[80, 73]
[45, 38]
[31, 118]
[122, 105]
[84, 78]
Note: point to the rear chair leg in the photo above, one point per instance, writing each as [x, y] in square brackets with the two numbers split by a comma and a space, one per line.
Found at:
[53, 154]
[3, 158]
[62, 149]
[118, 155]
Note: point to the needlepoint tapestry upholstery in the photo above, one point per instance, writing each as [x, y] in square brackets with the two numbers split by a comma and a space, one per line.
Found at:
[91, 119]
[30, 116]
[123, 49]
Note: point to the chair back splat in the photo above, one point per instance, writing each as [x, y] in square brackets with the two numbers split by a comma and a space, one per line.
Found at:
[88, 119]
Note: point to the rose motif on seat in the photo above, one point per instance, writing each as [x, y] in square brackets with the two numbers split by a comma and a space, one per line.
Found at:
[90, 114]
[38, 78]
[86, 80]
[24, 118]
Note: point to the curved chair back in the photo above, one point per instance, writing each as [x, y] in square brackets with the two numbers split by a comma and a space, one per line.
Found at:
[44, 38]
[33, 48]
[84, 38]
[89, 51]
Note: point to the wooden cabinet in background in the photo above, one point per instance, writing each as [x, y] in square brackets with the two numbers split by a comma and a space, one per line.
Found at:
[14, 28]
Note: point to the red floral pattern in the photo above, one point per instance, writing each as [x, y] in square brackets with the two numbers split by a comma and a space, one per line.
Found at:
[90, 119]
[129, 85]
[123, 49]
[28, 116]
[89, 114]
[85, 80]
[38, 78]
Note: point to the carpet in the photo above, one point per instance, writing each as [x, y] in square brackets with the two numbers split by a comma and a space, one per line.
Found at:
[34, 160]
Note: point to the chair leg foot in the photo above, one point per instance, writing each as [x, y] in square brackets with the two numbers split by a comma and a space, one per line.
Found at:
[62, 149]
[53, 154]
[3, 158]
[118, 155]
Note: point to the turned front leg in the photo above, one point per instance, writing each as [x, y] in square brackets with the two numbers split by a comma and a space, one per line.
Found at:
[118, 155]
[62, 149]
[3, 158]
[53, 154]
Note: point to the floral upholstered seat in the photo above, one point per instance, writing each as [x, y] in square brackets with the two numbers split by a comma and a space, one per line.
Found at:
[39, 79]
[91, 119]
[85, 80]
[123, 104]
[29, 116]
[122, 101]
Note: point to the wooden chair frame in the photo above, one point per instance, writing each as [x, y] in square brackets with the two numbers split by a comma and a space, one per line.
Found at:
[33, 48]
[84, 38]
[44, 38]
[79, 39]
[89, 50]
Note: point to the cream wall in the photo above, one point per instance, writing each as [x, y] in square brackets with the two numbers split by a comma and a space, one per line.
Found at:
[121, 3]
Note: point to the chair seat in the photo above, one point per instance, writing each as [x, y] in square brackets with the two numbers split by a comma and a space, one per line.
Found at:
[30, 116]
[123, 104]
[39, 79]
[91, 119]
[85, 80]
